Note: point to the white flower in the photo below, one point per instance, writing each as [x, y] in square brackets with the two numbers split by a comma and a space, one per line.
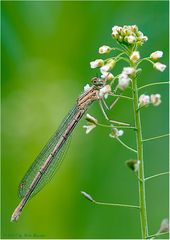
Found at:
[123, 81]
[120, 132]
[89, 128]
[104, 91]
[135, 56]
[156, 55]
[105, 68]
[91, 119]
[144, 100]
[96, 63]
[144, 38]
[159, 66]
[108, 66]
[156, 99]
[128, 70]
[116, 28]
[115, 34]
[134, 28]
[86, 87]
[116, 133]
[131, 39]
[108, 76]
[104, 74]
[104, 49]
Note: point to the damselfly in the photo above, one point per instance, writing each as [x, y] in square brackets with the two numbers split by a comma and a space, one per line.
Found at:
[50, 157]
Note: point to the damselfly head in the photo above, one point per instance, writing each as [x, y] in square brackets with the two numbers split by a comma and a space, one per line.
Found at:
[98, 82]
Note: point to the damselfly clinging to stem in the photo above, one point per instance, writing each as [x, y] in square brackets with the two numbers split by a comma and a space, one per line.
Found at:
[50, 157]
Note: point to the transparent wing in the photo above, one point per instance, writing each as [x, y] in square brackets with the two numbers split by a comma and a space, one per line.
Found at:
[41, 158]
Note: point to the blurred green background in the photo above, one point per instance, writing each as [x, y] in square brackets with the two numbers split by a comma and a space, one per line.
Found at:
[46, 50]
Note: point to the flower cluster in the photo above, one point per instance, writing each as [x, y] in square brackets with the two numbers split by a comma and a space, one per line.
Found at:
[128, 35]
[145, 100]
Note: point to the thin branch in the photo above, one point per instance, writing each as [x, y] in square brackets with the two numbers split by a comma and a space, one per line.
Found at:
[120, 123]
[105, 104]
[121, 96]
[116, 204]
[139, 108]
[156, 175]
[113, 104]
[157, 137]
[144, 59]
[126, 146]
[157, 235]
[114, 57]
[124, 59]
[91, 199]
[152, 84]
[104, 125]
[111, 126]
[103, 111]
[126, 127]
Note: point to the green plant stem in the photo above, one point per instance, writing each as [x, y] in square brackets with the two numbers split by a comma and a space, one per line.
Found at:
[115, 126]
[153, 138]
[125, 145]
[156, 175]
[141, 184]
[116, 204]
[157, 235]
[152, 84]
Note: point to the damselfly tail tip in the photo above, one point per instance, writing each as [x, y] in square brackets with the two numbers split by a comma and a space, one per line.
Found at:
[15, 215]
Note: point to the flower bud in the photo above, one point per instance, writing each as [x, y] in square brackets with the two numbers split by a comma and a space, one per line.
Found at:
[97, 63]
[144, 100]
[131, 39]
[156, 55]
[108, 66]
[123, 81]
[134, 28]
[159, 66]
[135, 56]
[116, 133]
[89, 128]
[156, 99]
[107, 76]
[115, 34]
[91, 119]
[104, 91]
[104, 49]
[86, 195]
[128, 70]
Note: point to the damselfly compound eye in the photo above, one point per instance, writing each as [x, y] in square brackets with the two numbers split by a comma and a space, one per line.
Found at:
[97, 81]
